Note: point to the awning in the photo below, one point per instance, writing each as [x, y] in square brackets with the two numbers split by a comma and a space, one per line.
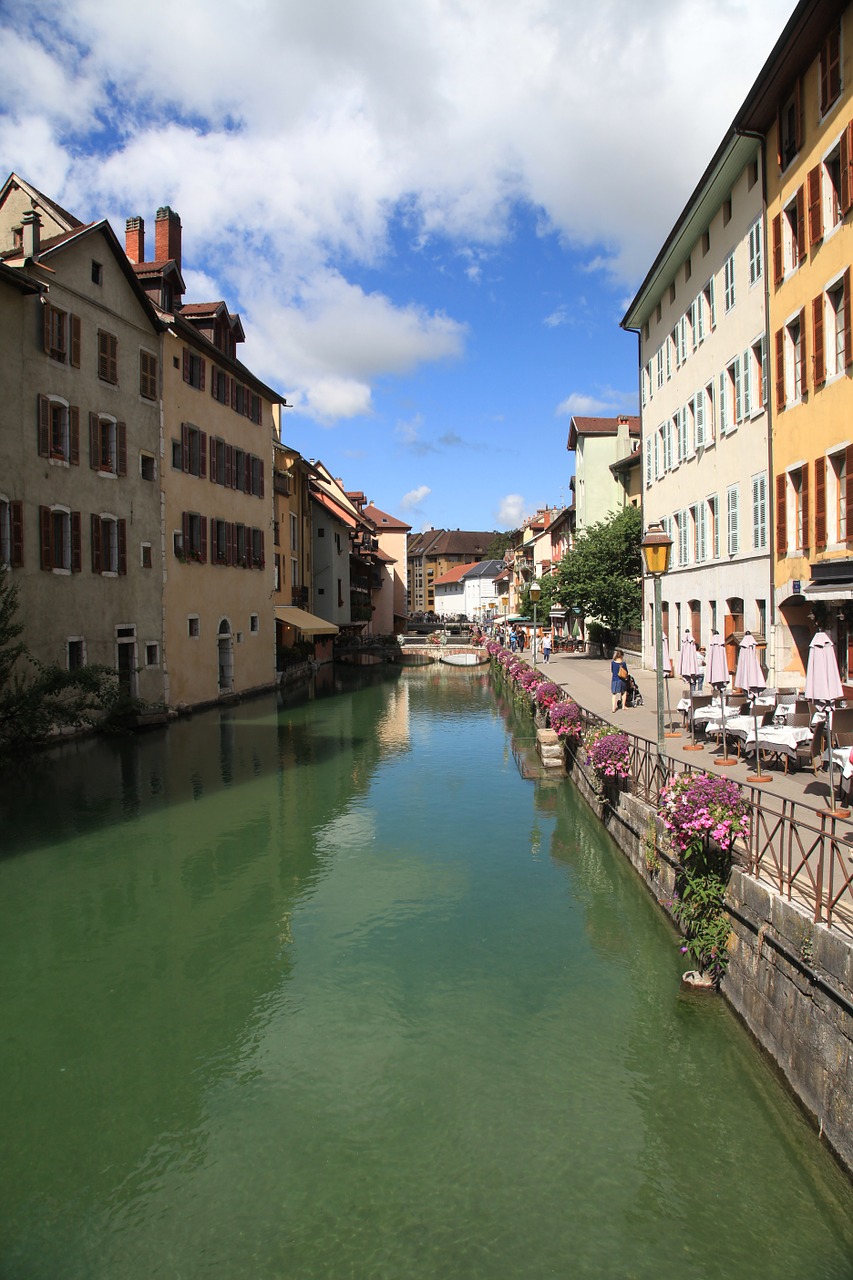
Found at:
[304, 621]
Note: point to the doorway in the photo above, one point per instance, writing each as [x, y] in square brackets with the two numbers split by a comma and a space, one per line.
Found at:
[226, 657]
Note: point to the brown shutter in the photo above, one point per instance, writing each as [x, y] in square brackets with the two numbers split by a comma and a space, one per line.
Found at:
[185, 447]
[229, 464]
[46, 529]
[103, 356]
[112, 346]
[74, 435]
[778, 271]
[234, 393]
[97, 566]
[848, 491]
[848, 323]
[44, 426]
[801, 224]
[202, 543]
[122, 546]
[260, 412]
[201, 374]
[780, 368]
[817, 330]
[213, 459]
[76, 543]
[186, 364]
[16, 521]
[781, 517]
[261, 561]
[261, 470]
[229, 558]
[121, 448]
[804, 382]
[185, 533]
[820, 503]
[74, 326]
[94, 441]
[847, 169]
[202, 454]
[815, 205]
[804, 497]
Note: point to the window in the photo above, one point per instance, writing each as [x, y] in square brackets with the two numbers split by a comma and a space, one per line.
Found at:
[145, 555]
[194, 369]
[191, 542]
[733, 518]
[672, 292]
[189, 454]
[60, 539]
[829, 184]
[755, 361]
[75, 653]
[799, 481]
[659, 362]
[706, 242]
[147, 375]
[729, 281]
[193, 626]
[220, 386]
[258, 548]
[109, 545]
[58, 430]
[688, 268]
[62, 336]
[220, 542]
[11, 533]
[759, 512]
[789, 127]
[242, 546]
[152, 654]
[732, 403]
[254, 623]
[97, 273]
[147, 466]
[840, 496]
[727, 211]
[830, 69]
[257, 477]
[714, 524]
[709, 303]
[832, 335]
[107, 445]
[790, 359]
[294, 531]
[670, 348]
[107, 357]
[294, 572]
[752, 175]
[756, 254]
[789, 237]
[277, 583]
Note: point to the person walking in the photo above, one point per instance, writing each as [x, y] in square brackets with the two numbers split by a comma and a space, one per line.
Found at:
[700, 663]
[618, 679]
[513, 640]
[546, 646]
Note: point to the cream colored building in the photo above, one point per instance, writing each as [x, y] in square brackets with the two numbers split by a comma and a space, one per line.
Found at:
[80, 443]
[596, 444]
[392, 570]
[701, 318]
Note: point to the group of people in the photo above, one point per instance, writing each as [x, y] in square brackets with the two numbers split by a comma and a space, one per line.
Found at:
[517, 639]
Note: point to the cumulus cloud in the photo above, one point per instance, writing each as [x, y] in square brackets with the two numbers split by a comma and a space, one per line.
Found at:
[511, 511]
[413, 499]
[608, 403]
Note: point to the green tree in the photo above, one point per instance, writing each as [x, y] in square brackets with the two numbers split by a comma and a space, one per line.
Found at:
[499, 543]
[601, 574]
[37, 699]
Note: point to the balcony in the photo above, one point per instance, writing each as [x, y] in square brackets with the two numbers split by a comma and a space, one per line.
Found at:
[281, 483]
[299, 596]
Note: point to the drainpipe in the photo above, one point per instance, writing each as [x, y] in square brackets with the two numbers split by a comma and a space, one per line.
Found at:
[772, 623]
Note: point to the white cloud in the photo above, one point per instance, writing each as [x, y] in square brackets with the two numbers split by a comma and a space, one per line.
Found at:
[511, 511]
[413, 499]
[608, 402]
[558, 317]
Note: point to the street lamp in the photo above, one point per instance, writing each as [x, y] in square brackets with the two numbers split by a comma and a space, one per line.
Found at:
[534, 593]
[656, 546]
[505, 603]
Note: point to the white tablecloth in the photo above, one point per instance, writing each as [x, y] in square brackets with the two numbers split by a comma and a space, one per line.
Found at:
[778, 738]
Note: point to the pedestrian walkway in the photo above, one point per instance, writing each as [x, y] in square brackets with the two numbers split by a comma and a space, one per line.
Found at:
[587, 680]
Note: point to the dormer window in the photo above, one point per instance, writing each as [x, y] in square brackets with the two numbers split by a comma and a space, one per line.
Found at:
[790, 127]
[166, 296]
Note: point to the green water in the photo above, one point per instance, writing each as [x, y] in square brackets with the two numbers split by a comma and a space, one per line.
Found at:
[331, 990]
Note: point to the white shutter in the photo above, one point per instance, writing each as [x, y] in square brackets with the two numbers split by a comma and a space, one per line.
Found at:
[733, 519]
[714, 505]
[724, 404]
[701, 532]
[737, 368]
[746, 378]
[682, 538]
[713, 303]
[759, 512]
[699, 418]
[649, 472]
[657, 453]
[699, 323]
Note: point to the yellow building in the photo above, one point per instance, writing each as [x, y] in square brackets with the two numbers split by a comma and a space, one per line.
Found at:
[292, 568]
[802, 105]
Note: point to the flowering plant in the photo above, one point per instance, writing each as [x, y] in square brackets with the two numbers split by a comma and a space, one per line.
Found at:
[548, 694]
[694, 805]
[505, 657]
[493, 647]
[528, 679]
[566, 719]
[608, 752]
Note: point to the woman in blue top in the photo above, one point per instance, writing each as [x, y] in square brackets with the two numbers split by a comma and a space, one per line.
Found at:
[618, 686]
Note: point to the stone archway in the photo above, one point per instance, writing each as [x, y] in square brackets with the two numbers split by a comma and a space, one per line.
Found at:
[225, 642]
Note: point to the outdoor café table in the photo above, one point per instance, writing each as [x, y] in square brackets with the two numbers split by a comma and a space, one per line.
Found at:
[778, 739]
[711, 714]
[736, 727]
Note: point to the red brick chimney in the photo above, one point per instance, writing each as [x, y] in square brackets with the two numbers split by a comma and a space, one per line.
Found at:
[134, 239]
[167, 236]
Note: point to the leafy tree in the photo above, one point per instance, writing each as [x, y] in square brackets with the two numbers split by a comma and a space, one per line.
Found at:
[36, 699]
[601, 574]
[499, 543]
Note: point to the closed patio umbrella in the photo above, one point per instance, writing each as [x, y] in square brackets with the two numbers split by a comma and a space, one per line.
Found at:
[749, 676]
[717, 674]
[688, 668]
[823, 687]
[667, 672]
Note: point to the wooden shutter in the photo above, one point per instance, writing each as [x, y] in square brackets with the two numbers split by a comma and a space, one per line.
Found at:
[74, 343]
[121, 448]
[820, 503]
[260, 418]
[804, 498]
[213, 459]
[817, 331]
[201, 364]
[801, 224]
[94, 441]
[815, 205]
[234, 393]
[780, 368]
[261, 558]
[46, 530]
[186, 364]
[202, 540]
[74, 435]
[76, 543]
[848, 491]
[44, 426]
[202, 454]
[97, 566]
[103, 356]
[804, 383]
[781, 517]
[229, 464]
[848, 322]
[16, 522]
[185, 533]
[229, 549]
[261, 474]
[122, 546]
[778, 271]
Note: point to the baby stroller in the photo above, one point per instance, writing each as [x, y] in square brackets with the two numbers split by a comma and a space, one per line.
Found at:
[633, 697]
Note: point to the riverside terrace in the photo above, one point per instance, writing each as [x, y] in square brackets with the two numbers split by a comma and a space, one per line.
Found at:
[796, 847]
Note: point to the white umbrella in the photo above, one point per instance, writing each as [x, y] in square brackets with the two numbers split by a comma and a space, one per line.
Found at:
[717, 674]
[667, 672]
[823, 686]
[688, 668]
[749, 676]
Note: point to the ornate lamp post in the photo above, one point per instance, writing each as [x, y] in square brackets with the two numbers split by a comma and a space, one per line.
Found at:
[534, 593]
[656, 546]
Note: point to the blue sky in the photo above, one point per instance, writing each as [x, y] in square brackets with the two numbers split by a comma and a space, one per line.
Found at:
[431, 214]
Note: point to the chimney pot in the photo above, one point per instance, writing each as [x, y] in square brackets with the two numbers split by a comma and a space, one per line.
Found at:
[134, 239]
[31, 239]
[167, 236]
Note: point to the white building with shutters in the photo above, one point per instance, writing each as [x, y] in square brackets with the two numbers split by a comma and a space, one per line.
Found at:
[701, 318]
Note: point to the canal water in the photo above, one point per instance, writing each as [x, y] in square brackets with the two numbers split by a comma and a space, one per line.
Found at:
[335, 989]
